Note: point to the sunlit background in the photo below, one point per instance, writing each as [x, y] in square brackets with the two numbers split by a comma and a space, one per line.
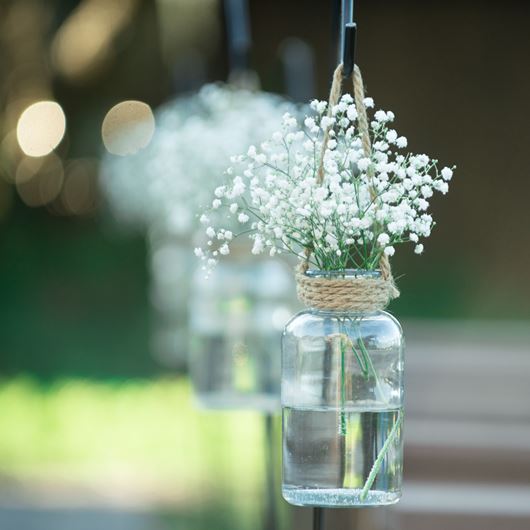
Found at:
[99, 428]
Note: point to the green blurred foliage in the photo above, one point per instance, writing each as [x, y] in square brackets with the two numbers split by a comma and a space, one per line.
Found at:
[133, 433]
[74, 300]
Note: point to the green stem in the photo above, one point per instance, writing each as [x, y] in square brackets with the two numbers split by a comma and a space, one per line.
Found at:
[379, 394]
[380, 457]
[349, 342]
[342, 389]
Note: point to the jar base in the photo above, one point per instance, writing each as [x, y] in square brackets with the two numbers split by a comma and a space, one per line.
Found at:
[339, 497]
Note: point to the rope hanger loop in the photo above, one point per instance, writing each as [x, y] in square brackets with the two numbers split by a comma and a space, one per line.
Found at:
[348, 293]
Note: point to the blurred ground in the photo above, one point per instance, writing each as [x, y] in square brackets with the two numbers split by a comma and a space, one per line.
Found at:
[125, 452]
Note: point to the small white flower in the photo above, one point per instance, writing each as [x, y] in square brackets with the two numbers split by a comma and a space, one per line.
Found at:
[391, 136]
[352, 113]
[380, 116]
[258, 246]
[447, 173]
[401, 142]
[326, 122]
[368, 103]
[422, 204]
[418, 249]
[216, 203]
[224, 250]
[441, 186]
[321, 106]
[363, 164]
[383, 239]
[426, 191]
[390, 251]
[242, 217]
[210, 232]
[233, 207]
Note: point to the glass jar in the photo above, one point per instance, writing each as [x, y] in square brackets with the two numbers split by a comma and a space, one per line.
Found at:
[237, 316]
[171, 264]
[342, 404]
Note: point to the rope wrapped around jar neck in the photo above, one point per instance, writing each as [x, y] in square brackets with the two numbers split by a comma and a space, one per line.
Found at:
[347, 293]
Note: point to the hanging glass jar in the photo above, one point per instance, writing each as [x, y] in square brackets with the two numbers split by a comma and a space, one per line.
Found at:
[342, 402]
[171, 263]
[236, 320]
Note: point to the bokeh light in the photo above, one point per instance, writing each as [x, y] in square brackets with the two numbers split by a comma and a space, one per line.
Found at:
[39, 182]
[83, 45]
[41, 128]
[128, 127]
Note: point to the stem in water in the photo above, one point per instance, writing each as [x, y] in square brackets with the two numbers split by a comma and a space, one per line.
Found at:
[380, 457]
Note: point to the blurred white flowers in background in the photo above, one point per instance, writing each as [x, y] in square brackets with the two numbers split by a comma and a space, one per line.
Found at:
[166, 183]
[162, 188]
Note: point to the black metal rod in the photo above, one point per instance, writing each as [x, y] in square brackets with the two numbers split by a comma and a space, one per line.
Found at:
[346, 17]
[238, 34]
[348, 50]
[318, 518]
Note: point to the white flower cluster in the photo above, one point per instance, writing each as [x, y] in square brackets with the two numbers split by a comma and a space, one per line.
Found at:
[364, 205]
[169, 181]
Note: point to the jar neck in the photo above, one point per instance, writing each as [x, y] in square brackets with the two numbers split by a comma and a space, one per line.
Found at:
[344, 274]
[342, 314]
[347, 274]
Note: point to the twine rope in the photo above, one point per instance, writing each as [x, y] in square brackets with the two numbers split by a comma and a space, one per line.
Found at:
[353, 293]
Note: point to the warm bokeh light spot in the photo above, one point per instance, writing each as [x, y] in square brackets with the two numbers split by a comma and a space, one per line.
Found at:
[27, 168]
[39, 184]
[128, 127]
[83, 44]
[41, 128]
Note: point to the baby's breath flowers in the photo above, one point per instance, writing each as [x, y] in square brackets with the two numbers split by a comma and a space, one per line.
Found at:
[361, 207]
[166, 183]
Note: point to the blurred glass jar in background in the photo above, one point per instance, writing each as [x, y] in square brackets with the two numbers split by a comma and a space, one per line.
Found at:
[342, 403]
[171, 264]
[237, 317]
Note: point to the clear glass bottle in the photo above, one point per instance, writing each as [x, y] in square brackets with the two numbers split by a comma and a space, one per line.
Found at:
[236, 320]
[342, 403]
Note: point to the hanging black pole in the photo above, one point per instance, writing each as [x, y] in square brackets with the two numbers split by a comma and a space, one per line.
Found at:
[346, 17]
[346, 55]
[348, 50]
[238, 34]
[318, 518]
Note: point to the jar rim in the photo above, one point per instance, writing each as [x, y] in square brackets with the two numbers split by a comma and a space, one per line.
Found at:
[343, 273]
